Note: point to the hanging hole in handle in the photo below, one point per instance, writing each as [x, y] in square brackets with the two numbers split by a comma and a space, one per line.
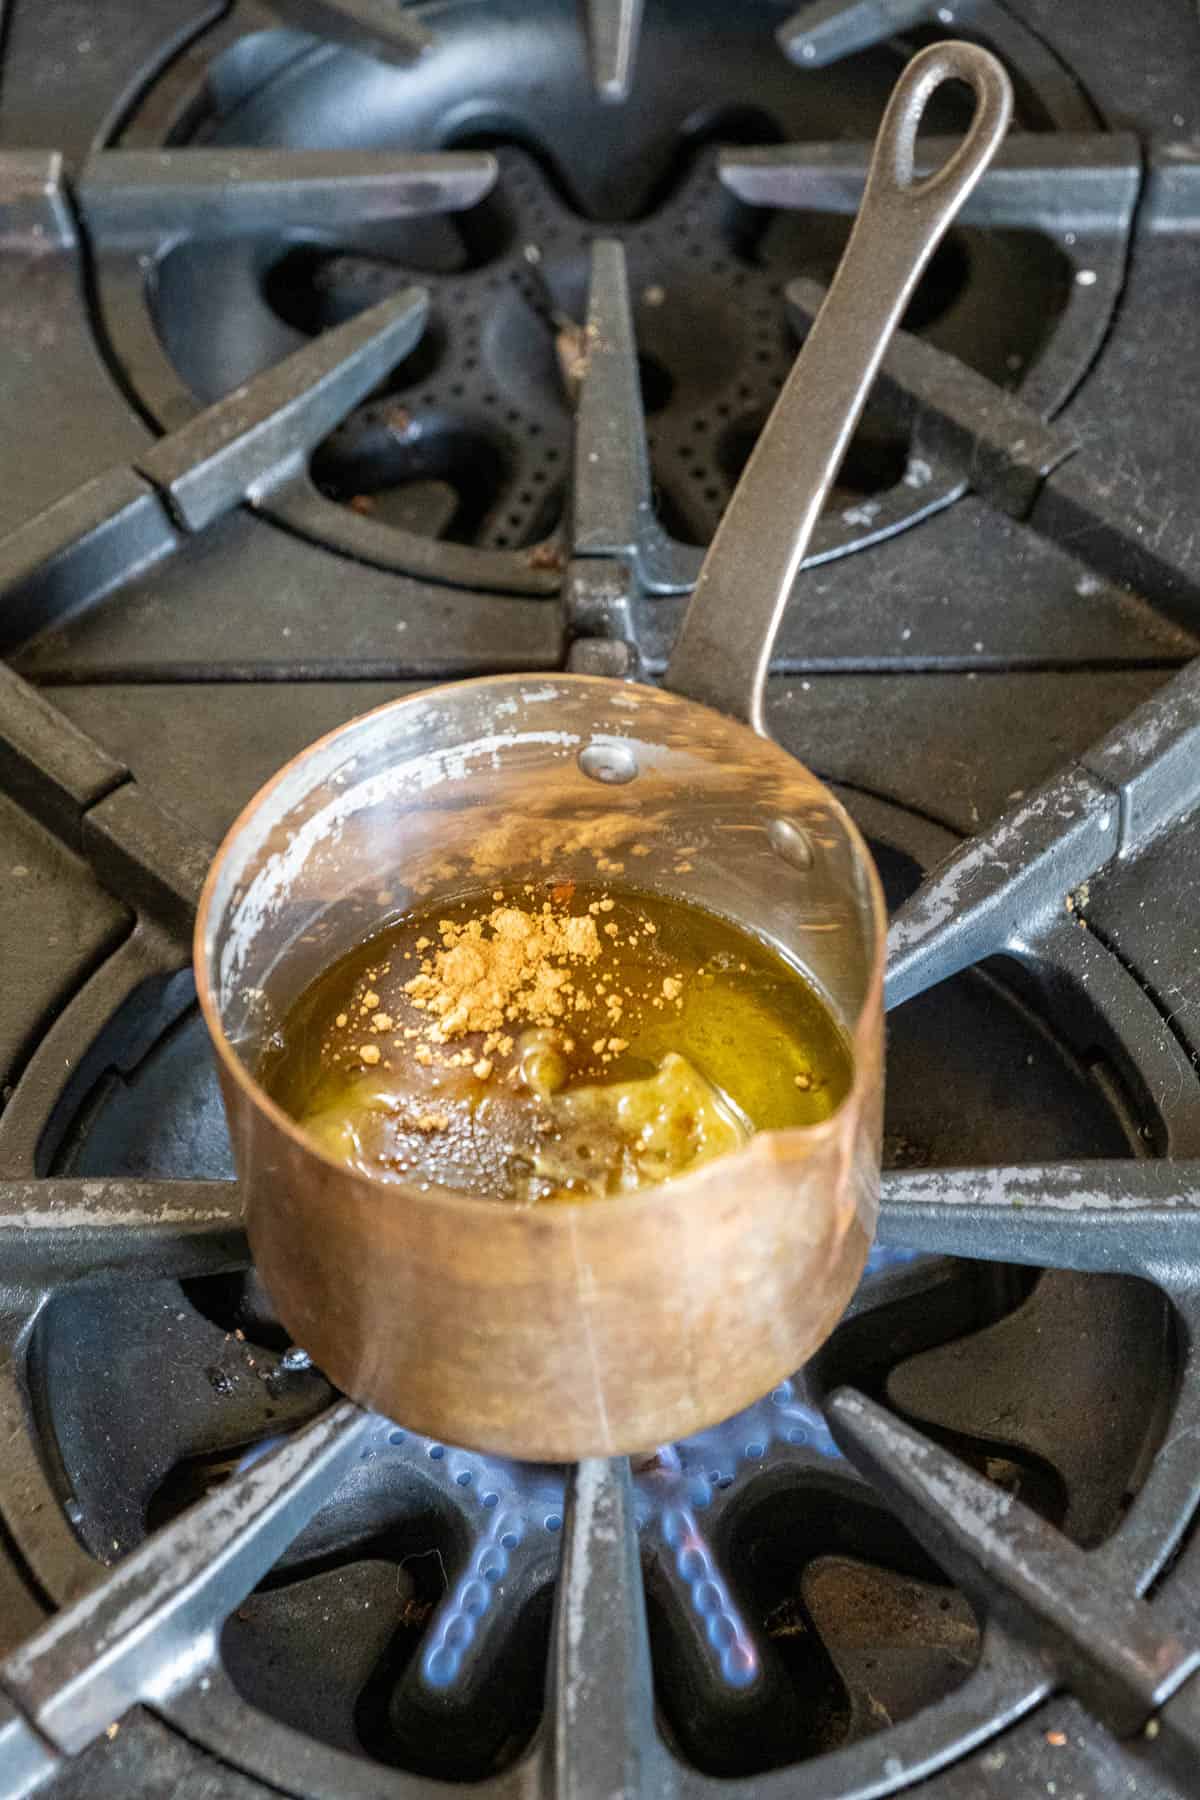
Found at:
[953, 61]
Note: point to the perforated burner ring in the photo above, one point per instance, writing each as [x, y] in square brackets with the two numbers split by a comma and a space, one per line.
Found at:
[461, 469]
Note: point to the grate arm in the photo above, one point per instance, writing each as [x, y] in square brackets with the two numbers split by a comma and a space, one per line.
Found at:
[148, 1622]
[1119, 1655]
[613, 29]
[59, 1230]
[601, 1738]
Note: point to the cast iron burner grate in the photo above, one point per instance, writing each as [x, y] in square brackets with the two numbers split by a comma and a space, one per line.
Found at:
[946, 1515]
[470, 441]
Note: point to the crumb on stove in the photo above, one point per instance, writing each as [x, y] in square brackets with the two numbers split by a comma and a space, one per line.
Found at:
[369, 1053]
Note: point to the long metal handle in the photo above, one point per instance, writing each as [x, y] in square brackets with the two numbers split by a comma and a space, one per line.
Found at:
[724, 644]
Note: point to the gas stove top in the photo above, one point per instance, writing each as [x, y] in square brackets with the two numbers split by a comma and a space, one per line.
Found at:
[349, 346]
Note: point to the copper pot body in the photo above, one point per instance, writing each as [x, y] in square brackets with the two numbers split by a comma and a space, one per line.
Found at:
[568, 1331]
[593, 1330]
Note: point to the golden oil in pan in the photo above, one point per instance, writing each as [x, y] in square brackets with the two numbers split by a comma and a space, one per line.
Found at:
[671, 1038]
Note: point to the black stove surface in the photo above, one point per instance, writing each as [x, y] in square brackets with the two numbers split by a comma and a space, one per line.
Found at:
[350, 346]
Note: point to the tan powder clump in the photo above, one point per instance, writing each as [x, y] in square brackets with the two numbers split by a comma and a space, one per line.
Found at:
[510, 965]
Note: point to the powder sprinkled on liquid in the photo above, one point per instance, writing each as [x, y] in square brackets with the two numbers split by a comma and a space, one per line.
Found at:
[511, 965]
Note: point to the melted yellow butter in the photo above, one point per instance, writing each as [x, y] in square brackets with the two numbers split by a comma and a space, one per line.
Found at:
[615, 1137]
[717, 1036]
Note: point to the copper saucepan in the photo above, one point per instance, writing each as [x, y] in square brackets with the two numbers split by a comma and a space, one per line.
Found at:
[572, 1331]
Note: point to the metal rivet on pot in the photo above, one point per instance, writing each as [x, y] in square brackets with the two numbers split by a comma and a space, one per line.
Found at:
[792, 842]
[613, 763]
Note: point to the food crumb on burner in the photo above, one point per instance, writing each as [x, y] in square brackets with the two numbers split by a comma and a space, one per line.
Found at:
[483, 1068]
[381, 1022]
[672, 987]
[370, 1001]
[369, 1053]
[342, 1019]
